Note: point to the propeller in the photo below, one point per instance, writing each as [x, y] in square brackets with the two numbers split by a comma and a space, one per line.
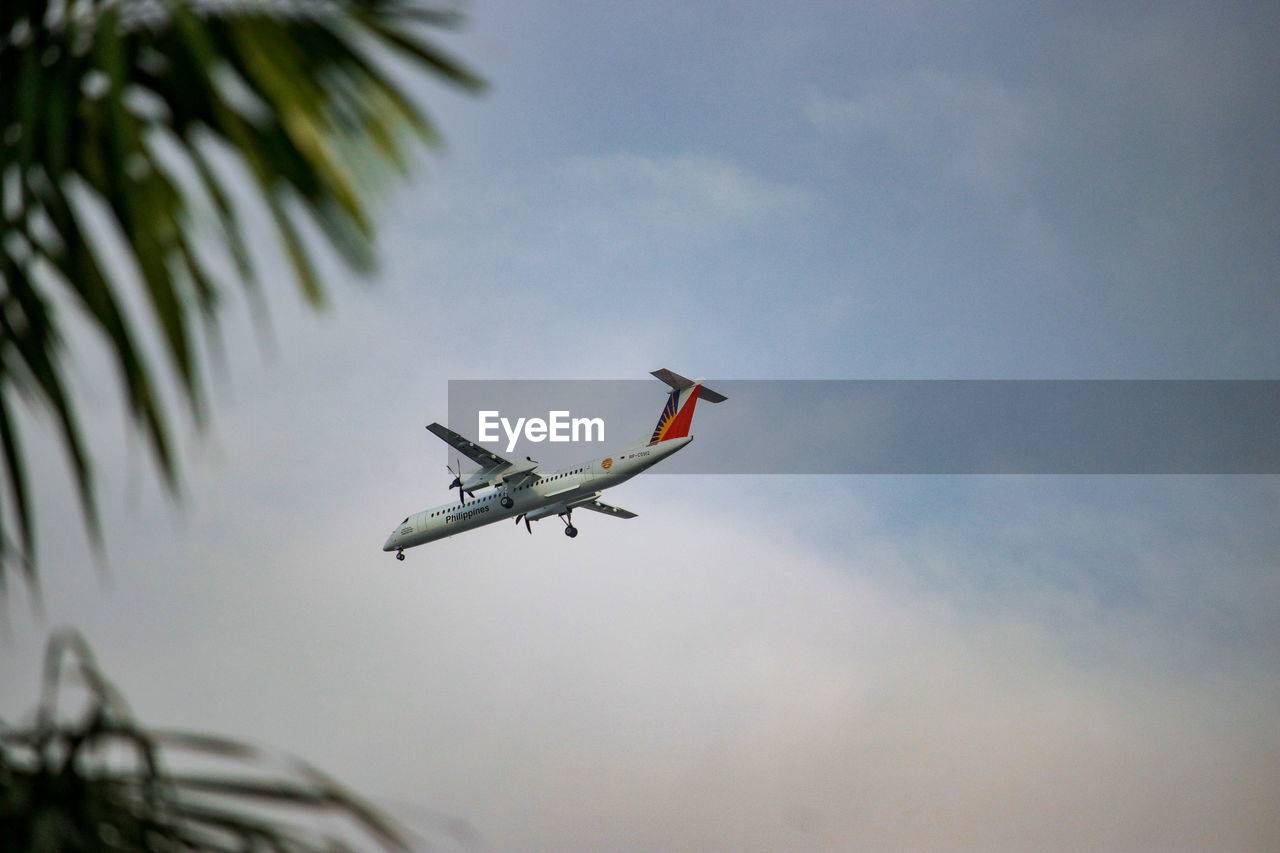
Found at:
[457, 480]
[526, 522]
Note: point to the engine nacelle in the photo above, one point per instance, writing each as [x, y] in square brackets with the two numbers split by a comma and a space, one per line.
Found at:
[515, 471]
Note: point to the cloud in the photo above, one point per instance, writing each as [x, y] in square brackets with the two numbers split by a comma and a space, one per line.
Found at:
[968, 130]
[699, 678]
[730, 689]
[586, 240]
[604, 212]
[682, 197]
[948, 135]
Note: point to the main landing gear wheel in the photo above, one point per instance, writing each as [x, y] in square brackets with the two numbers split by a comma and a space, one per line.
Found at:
[400, 555]
[506, 502]
[567, 517]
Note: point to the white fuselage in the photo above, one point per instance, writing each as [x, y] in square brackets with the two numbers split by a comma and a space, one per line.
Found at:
[553, 494]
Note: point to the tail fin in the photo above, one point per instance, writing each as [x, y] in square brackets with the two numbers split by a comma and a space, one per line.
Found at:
[677, 415]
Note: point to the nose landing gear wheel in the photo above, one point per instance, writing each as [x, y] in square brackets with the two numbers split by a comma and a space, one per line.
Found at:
[400, 555]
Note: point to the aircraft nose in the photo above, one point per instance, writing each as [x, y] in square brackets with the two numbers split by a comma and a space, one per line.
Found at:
[390, 544]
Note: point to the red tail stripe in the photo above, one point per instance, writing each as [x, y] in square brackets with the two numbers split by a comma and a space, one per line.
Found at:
[679, 426]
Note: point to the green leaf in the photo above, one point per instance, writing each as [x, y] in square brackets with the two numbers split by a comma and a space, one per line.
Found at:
[314, 103]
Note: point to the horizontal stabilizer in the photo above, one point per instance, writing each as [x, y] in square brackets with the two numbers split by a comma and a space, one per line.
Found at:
[679, 383]
[711, 396]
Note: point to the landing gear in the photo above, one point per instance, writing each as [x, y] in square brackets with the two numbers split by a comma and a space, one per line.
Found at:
[571, 531]
[400, 555]
[506, 502]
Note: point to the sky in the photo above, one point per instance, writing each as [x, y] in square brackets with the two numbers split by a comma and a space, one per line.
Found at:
[754, 663]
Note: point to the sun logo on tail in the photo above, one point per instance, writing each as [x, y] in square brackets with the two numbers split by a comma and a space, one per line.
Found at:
[677, 415]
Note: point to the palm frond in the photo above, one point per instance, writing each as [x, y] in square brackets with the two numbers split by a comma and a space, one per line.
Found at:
[97, 779]
[297, 91]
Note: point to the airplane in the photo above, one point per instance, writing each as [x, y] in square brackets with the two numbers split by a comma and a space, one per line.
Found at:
[518, 491]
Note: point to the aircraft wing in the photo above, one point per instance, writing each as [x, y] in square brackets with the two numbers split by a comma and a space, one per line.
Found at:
[486, 459]
[606, 509]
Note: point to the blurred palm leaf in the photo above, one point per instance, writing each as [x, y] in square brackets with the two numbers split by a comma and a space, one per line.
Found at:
[101, 781]
[121, 111]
